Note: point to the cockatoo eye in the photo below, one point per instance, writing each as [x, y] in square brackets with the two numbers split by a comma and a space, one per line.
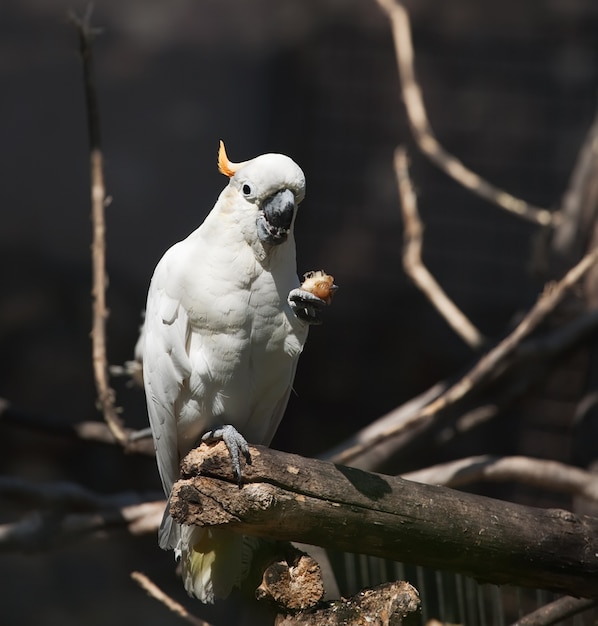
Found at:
[247, 190]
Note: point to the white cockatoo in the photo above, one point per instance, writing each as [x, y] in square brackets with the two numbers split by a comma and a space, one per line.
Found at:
[224, 326]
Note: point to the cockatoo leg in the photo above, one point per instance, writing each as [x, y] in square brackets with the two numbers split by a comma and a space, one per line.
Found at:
[306, 306]
[236, 445]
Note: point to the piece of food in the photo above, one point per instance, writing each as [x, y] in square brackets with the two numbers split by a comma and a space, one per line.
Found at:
[320, 284]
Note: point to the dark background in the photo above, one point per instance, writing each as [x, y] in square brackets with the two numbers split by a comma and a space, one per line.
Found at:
[510, 88]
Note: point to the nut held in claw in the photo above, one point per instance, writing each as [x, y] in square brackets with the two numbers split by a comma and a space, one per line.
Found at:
[320, 284]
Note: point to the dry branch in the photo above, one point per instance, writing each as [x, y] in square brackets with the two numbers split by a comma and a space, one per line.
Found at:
[155, 592]
[287, 497]
[292, 584]
[573, 233]
[414, 266]
[539, 349]
[45, 529]
[488, 366]
[68, 511]
[67, 495]
[372, 456]
[550, 475]
[422, 130]
[106, 395]
[138, 441]
[557, 611]
[493, 360]
[385, 605]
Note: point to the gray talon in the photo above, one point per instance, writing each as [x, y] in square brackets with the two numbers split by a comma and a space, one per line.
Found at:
[235, 444]
[306, 305]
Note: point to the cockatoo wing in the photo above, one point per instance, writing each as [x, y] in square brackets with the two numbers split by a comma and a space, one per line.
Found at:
[279, 409]
[166, 367]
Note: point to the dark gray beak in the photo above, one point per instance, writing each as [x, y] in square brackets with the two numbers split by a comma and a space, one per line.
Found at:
[276, 217]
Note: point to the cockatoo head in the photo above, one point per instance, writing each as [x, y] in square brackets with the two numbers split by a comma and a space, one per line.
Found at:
[271, 187]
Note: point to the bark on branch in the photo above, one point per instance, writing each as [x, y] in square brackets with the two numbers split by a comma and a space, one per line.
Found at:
[290, 498]
[385, 605]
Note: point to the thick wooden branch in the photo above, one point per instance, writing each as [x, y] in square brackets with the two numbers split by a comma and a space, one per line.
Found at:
[287, 497]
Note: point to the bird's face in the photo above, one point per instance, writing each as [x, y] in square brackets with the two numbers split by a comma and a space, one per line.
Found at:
[273, 186]
[270, 187]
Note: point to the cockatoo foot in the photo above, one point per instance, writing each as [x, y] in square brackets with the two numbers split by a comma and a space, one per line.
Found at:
[306, 306]
[235, 443]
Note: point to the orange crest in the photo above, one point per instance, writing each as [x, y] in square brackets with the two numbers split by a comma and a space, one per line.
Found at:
[226, 167]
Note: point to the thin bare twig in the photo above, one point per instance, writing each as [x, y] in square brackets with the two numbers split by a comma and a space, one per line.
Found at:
[106, 395]
[373, 456]
[538, 349]
[412, 258]
[557, 611]
[41, 530]
[69, 496]
[70, 511]
[550, 475]
[138, 441]
[424, 136]
[546, 304]
[489, 363]
[155, 592]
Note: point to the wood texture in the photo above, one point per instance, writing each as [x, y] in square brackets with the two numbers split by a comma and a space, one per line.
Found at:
[391, 604]
[287, 497]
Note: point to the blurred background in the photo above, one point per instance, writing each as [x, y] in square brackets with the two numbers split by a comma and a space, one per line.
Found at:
[510, 89]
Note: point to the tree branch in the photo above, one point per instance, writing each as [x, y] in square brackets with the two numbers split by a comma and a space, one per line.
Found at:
[424, 136]
[106, 395]
[491, 363]
[384, 605]
[71, 511]
[138, 441]
[557, 611]
[412, 259]
[287, 497]
[155, 592]
[550, 475]
[573, 232]
[520, 367]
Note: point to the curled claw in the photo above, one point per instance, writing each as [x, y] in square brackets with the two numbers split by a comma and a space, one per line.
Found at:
[236, 445]
[306, 305]
[315, 293]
